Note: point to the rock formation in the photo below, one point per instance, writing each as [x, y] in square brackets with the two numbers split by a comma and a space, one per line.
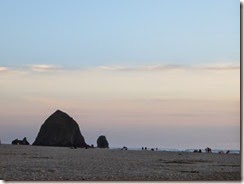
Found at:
[60, 130]
[102, 142]
[20, 142]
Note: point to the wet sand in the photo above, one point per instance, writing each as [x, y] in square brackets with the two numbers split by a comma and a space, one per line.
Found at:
[38, 163]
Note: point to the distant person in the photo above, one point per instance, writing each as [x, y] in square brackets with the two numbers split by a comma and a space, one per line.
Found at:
[195, 151]
[200, 151]
[156, 149]
[142, 148]
[208, 150]
[124, 148]
[145, 148]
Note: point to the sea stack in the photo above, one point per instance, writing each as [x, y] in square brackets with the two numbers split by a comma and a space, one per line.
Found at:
[60, 130]
[102, 142]
[23, 142]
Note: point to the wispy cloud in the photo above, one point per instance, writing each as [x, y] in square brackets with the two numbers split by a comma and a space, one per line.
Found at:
[223, 66]
[141, 68]
[114, 68]
[3, 69]
[44, 68]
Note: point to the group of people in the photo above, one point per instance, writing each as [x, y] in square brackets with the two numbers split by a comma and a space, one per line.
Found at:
[152, 149]
[143, 148]
[209, 150]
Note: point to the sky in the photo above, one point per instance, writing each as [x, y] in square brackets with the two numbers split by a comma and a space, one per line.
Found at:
[155, 73]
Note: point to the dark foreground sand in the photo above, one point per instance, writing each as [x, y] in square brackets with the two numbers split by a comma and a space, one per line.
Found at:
[56, 163]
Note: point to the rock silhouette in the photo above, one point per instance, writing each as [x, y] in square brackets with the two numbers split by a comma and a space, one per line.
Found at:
[20, 142]
[60, 130]
[102, 142]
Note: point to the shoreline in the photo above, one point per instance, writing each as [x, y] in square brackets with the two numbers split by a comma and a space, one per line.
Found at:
[43, 163]
[187, 150]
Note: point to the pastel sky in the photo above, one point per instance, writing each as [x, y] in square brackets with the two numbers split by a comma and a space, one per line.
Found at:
[155, 73]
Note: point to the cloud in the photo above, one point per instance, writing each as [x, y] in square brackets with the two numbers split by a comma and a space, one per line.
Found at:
[113, 68]
[163, 67]
[3, 69]
[223, 66]
[142, 68]
[44, 68]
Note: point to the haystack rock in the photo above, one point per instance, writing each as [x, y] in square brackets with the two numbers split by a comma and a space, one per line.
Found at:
[60, 130]
[102, 142]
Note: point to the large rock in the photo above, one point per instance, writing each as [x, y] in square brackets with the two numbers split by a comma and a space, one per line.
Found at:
[20, 142]
[102, 142]
[60, 130]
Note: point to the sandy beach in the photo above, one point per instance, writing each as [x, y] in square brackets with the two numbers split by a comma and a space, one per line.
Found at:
[38, 163]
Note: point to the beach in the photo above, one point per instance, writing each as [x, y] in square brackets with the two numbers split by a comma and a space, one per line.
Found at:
[40, 163]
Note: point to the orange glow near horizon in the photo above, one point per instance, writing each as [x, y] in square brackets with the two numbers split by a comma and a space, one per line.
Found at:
[189, 107]
[192, 96]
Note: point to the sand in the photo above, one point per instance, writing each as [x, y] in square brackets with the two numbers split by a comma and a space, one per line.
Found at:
[31, 163]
